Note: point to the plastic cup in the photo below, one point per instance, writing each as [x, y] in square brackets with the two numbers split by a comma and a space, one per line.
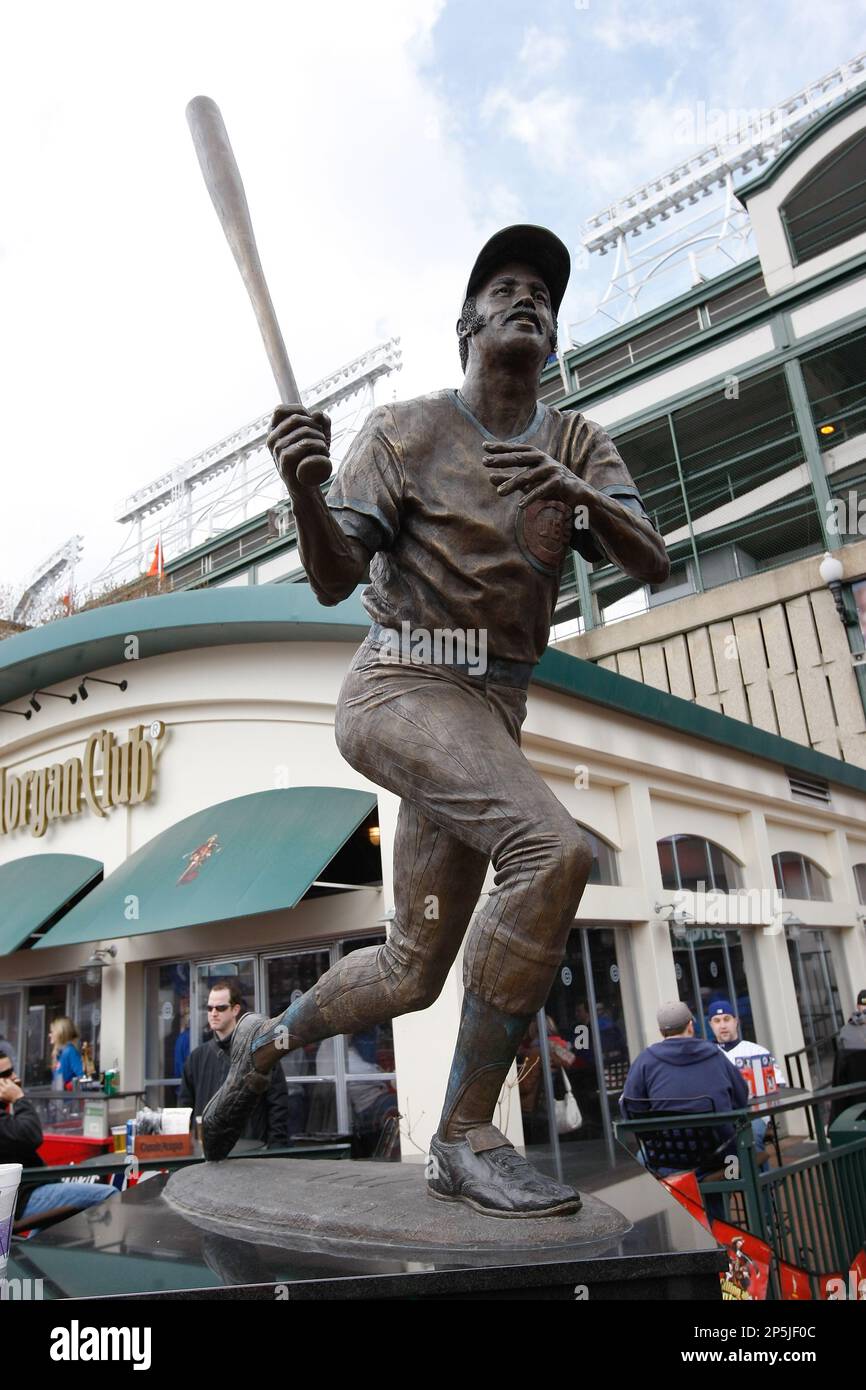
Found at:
[10, 1177]
[118, 1135]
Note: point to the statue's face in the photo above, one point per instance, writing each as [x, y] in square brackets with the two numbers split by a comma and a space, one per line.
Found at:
[518, 319]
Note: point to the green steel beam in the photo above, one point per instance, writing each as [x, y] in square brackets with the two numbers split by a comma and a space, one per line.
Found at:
[811, 452]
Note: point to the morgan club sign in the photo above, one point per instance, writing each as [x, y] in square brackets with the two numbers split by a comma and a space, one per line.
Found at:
[109, 774]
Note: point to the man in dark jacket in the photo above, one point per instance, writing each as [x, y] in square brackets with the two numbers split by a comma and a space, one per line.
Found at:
[20, 1137]
[683, 1067]
[206, 1068]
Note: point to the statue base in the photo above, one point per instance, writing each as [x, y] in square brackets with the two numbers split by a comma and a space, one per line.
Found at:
[369, 1209]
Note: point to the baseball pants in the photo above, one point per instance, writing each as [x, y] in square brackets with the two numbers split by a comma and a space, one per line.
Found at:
[448, 744]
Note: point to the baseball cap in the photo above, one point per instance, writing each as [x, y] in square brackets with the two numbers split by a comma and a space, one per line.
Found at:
[673, 1016]
[534, 245]
[721, 1006]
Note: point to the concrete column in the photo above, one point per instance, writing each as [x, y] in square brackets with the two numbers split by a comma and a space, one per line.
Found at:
[116, 1043]
[768, 967]
[654, 980]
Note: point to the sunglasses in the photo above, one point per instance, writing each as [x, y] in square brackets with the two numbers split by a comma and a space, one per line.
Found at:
[217, 1008]
[8, 1075]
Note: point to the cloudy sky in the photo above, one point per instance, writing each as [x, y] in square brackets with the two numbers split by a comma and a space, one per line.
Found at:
[380, 143]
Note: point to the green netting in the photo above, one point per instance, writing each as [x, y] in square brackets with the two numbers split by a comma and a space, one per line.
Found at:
[835, 381]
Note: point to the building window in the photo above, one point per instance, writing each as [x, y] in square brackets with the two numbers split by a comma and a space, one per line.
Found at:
[827, 208]
[696, 865]
[604, 859]
[341, 1086]
[818, 1000]
[709, 964]
[49, 999]
[835, 381]
[860, 880]
[705, 462]
[799, 877]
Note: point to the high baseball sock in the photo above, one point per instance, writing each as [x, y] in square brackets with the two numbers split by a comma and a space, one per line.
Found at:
[487, 1042]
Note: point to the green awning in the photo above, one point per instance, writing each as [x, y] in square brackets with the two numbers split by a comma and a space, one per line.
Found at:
[38, 888]
[252, 854]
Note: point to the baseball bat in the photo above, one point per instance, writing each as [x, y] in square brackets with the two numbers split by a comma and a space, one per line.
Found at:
[223, 181]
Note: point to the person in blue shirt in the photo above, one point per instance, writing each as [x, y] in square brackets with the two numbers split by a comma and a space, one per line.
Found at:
[683, 1067]
[66, 1061]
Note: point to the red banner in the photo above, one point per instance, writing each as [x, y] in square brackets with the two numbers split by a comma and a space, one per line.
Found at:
[684, 1186]
[793, 1282]
[749, 1258]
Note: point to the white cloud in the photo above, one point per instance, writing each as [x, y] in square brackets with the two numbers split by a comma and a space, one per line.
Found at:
[128, 342]
[541, 52]
[545, 123]
[620, 26]
[504, 204]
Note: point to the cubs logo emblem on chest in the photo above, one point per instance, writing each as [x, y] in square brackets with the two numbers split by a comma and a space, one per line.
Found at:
[543, 530]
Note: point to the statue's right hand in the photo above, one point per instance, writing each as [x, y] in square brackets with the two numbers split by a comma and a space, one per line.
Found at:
[297, 437]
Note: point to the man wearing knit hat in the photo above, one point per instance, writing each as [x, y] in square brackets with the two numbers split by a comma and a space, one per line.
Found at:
[760, 1070]
[683, 1067]
[462, 505]
[761, 1076]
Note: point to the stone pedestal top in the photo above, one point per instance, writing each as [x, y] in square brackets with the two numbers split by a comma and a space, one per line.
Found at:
[370, 1208]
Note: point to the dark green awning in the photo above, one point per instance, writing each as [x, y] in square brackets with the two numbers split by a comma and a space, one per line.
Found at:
[38, 888]
[252, 854]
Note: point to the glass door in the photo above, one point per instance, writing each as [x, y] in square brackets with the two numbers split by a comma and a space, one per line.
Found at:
[709, 965]
[583, 1030]
[45, 1002]
[310, 1071]
[11, 1007]
[167, 1032]
[343, 1085]
[817, 997]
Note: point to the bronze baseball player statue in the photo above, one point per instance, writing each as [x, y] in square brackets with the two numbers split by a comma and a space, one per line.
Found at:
[462, 506]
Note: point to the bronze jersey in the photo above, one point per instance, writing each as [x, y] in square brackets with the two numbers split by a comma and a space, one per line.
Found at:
[447, 550]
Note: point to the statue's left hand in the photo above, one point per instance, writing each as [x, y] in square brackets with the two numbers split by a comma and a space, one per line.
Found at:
[520, 467]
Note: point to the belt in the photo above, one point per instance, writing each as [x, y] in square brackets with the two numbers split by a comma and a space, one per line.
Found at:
[499, 670]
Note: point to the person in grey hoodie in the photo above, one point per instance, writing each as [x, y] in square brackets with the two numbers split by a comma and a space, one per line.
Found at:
[684, 1067]
[849, 1064]
[852, 1038]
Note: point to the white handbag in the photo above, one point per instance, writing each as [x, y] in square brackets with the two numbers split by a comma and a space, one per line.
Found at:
[568, 1116]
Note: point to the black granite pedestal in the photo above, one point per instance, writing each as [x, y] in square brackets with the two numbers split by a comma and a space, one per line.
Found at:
[631, 1241]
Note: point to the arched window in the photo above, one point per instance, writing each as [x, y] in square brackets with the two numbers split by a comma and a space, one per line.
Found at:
[827, 207]
[604, 866]
[697, 865]
[799, 877]
[860, 880]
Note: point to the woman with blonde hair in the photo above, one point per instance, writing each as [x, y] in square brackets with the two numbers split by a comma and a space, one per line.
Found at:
[66, 1060]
